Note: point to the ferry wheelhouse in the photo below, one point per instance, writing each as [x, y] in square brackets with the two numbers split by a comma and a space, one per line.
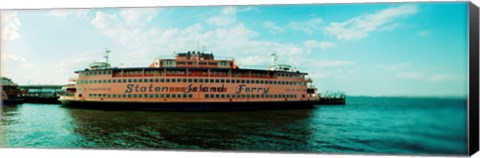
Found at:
[191, 80]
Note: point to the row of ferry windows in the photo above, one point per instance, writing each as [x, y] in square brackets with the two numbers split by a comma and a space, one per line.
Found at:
[190, 95]
[250, 96]
[182, 72]
[190, 80]
[141, 95]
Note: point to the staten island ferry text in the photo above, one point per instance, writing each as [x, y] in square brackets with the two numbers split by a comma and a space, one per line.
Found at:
[190, 88]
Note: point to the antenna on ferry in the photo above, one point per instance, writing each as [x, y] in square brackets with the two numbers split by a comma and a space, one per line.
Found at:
[274, 58]
[107, 51]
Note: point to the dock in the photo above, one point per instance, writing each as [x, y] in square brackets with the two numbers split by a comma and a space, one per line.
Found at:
[41, 93]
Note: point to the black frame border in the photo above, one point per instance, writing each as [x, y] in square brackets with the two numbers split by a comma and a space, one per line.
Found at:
[473, 100]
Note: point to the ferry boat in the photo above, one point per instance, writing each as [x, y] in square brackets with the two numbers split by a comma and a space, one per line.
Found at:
[192, 80]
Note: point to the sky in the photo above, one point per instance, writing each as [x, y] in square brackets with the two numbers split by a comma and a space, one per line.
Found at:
[371, 49]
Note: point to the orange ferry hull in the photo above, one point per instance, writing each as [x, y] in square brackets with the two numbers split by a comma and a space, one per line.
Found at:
[208, 106]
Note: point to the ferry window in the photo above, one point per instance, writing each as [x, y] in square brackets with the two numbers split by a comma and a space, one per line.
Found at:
[104, 81]
[233, 81]
[200, 80]
[184, 95]
[94, 81]
[212, 81]
[145, 95]
[248, 96]
[257, 81]
[257, 96]
[168, 80]
[238, 95]
[233, 95]
[129, 80]
[109, 96]
[206, 80]
[212, 96]
[228, 80]
[114, 95]
[162, 95]
[190, 95]
[217, 95]
[189, 80]
[243, 81]
[222, 81]
[179, 95]
[168, 95]
[156, 80]
[109, 81]
[124, 95]
[124, 80]
[238, 81]
[156, 96]
[151, 95]
[129, 95]
[135, 80]
[228, 95]
[248, 81]
[145, 80]
[162, 80]
[104, 95]
[195, 80]
[90, 95]
[217, 80]
[173, 80]
[134, 95]
[222, 95]
[174, 96]
[151, 80]
[206, 95]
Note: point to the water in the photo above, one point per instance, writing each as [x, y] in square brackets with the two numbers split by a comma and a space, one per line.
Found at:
[364, 125]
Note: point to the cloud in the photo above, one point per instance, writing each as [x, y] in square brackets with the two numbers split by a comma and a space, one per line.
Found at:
[67, 12]
[423, 33]
[410, 75]
[308, 27]
[441, 77]
[332, 63]
[360, 27]
[227, 17]
[104, 21]
[10, 24]
[273, 27]
[311, 44]
[393, 67]
[138, 17]
[225, 40]
[250, 8]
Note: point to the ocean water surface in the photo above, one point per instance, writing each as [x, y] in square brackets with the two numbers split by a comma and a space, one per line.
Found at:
[367, 125]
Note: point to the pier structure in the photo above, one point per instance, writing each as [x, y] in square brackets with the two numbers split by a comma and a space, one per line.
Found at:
[41, 93]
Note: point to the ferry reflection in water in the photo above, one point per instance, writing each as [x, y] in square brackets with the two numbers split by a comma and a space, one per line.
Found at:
[259, 130]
